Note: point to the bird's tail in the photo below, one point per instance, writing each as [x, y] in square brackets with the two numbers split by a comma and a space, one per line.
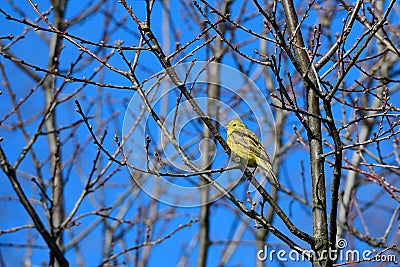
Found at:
[268, 167]
[276, 182]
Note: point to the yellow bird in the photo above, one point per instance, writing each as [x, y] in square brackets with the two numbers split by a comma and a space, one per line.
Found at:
[247, 146]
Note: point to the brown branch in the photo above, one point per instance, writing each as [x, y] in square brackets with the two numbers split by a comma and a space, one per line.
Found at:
[11, 174]
[154, 44]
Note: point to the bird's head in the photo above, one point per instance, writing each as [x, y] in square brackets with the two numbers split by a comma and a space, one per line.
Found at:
[235, 125]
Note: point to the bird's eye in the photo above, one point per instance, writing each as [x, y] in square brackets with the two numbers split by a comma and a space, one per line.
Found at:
[234, 125]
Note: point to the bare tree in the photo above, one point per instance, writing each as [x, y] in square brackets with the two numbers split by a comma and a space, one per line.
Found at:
[112, 132]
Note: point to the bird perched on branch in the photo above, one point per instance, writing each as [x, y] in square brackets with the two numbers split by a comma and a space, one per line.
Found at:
[247, 146]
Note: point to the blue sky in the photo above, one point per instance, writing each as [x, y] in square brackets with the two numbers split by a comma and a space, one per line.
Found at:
[109, 106]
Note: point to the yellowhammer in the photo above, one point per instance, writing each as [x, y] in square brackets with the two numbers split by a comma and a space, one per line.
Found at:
[247, 146]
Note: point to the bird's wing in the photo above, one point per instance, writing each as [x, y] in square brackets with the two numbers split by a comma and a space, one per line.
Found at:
[249, 141]
[239, 138]
[257, 147]
[264, 155]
